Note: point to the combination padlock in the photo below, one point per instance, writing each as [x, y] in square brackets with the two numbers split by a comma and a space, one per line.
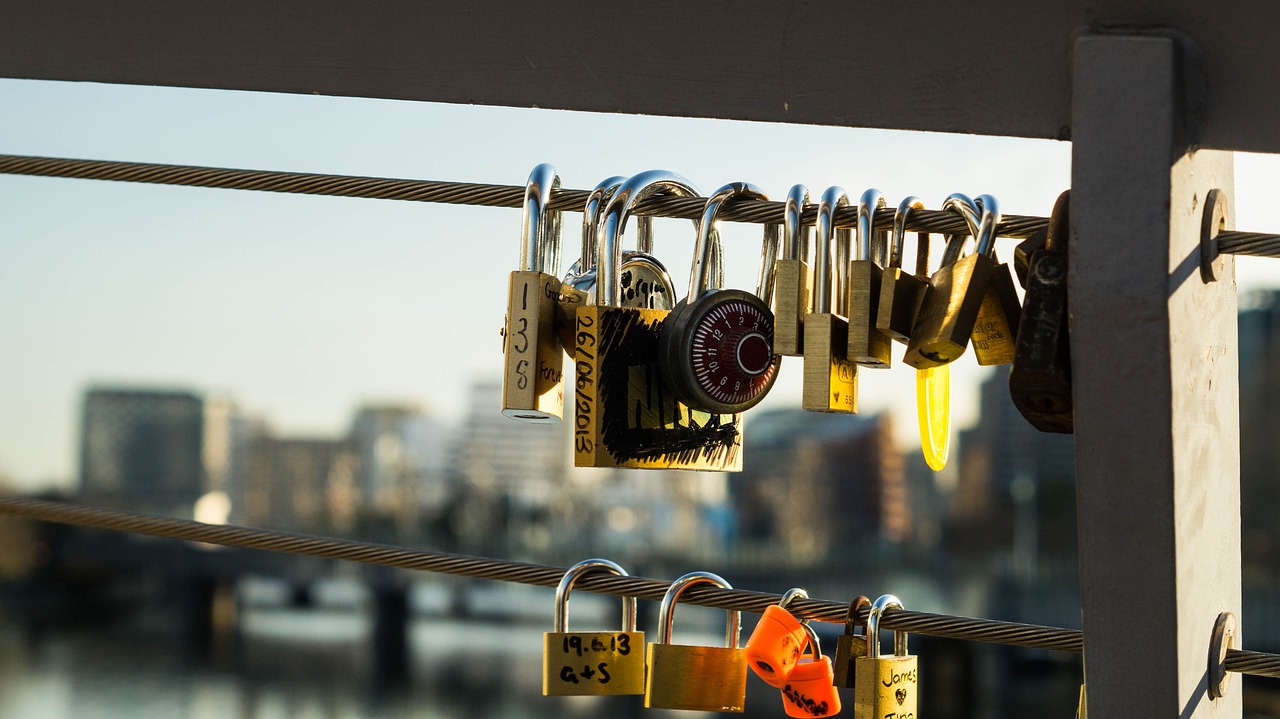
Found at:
[951, 304]
[717, 344]
[624, 414]
[709, 679]
[1040, 379]
[885, 686]
[793, 277]
[830, 380]
[995, 331]
[592, 663]
[645, 283]
[810, 690]
[778, 641]
[901, 294]
[867, 346]
[533, 368]
[851, 644]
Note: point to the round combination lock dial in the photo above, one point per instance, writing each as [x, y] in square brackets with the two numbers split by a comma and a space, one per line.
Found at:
[718, 351]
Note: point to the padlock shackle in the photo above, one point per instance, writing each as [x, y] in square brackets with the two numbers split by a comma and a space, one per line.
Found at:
[708, 253]
[829, 277]
[666, 613]
[600, 195]
[898, 238]
[851, 614]
[576, 572]
[769, 263]
[540, 228]
[987, 225]
[964, 206]
[871, 245]
[887, 601]
[1059, 223]
[813, 640]
[790, 596]
[795, 236]
[614, 222]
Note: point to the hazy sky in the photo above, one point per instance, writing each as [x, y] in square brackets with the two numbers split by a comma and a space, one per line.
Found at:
[301, 308]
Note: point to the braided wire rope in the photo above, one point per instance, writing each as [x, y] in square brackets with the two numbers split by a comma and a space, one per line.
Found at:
[939, 625]
[461, 193]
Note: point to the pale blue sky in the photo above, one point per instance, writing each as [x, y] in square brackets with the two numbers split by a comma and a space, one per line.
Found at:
[301, 308]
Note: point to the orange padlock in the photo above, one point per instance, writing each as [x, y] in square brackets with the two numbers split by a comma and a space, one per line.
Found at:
[810, 691]
[778, 641]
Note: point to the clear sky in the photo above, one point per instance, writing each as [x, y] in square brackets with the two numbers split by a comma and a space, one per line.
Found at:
[301, 308]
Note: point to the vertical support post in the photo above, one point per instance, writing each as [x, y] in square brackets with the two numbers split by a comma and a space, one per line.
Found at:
[1156, 389]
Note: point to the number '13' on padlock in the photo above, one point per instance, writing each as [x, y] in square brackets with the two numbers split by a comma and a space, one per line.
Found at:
[885, 687]
[592, 663]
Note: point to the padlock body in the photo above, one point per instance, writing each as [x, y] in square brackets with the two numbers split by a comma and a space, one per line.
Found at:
[533, 366]
[625, 416]
[809, 691]
[790, 304]
[996, 330]
[901, 295]
[950, 309]
[572, 297]
[709, 679]
[867, 346]
[849, 648]
[775, 645]
[885, 687]
[1040, 379]
[592, 663]
[830, 381]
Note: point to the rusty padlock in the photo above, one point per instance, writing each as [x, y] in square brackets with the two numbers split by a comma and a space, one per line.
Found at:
[851, 644]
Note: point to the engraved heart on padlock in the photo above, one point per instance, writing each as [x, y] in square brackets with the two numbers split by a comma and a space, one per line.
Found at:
[900, 695]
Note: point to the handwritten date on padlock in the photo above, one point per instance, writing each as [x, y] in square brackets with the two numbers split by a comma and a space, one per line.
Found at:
[584, 385]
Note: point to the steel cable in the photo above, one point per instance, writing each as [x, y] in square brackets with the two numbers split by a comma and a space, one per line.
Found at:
[461, 193]
[939, 625]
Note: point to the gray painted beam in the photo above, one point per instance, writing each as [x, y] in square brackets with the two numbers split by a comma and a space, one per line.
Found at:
[987, 66]
[1156, 390]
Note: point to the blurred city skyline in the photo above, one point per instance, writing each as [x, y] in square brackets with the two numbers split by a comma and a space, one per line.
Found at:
[305, 308]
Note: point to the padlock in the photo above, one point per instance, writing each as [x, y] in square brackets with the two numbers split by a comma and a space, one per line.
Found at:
[810, 690]
[793, 277]
[1040, 379]
[624, 414]
[778, 640]
[886, 687]
[533, 368]
[592, 663]
[716, 346]
[933, 414]
[901, 293]
[956, 291]
[645, 282]
[709, 679]
[851, 644]
[830, 380]
[995, 331]
[867, 345]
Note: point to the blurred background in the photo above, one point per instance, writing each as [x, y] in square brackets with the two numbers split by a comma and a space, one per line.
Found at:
[332, 366]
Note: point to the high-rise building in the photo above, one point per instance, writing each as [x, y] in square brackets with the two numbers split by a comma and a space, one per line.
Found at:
[299, 484]
[143, 449]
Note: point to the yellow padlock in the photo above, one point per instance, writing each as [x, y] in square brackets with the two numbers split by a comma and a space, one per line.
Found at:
[592, 663]
[709, 679]
[885, 687]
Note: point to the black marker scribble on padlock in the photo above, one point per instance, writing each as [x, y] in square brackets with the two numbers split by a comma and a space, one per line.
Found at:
[641, 420]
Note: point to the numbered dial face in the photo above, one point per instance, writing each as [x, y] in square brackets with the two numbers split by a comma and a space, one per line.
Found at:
[729, 349]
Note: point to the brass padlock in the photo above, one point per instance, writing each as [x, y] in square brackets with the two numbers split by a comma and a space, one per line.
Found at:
[956, 291]
[851, 644]
[710, 679]
[996, 329]
[830, 380]
[867, 345]
[901, 294]
[1040, 379]
[716, 346]
[645, 282]
[885, 687]
[624, 414]
[533, 368]
[592, 663]
[793, 278]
